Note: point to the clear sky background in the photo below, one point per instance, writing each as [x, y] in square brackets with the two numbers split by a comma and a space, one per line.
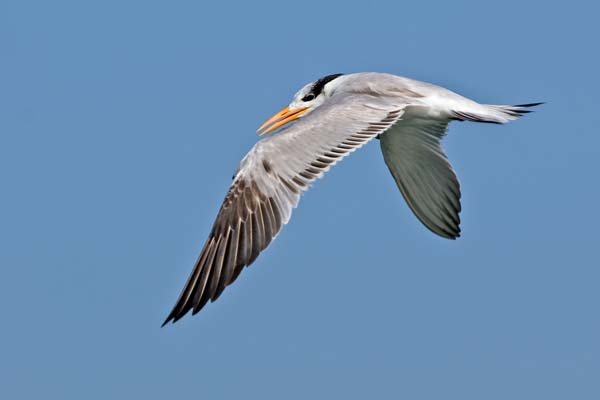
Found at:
[121, 124]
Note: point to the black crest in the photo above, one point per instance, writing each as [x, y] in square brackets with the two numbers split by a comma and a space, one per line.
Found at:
[317, 88]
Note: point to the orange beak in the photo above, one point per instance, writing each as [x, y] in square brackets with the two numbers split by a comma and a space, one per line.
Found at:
[281, 118]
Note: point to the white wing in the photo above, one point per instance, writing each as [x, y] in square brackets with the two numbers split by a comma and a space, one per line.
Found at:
[413, 153]
[268, 186]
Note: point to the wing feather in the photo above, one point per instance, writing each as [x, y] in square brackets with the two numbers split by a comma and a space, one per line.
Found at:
[268, 185]
[413, 153]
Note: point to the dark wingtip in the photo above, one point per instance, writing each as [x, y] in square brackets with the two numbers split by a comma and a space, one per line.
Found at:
[453, 236]
[169, 318]
[176, 314]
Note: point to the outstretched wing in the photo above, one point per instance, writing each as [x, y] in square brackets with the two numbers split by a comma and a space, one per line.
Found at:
[268, 186]
[414, 155]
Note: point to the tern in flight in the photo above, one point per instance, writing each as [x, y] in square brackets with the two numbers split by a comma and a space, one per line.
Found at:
[336, 115]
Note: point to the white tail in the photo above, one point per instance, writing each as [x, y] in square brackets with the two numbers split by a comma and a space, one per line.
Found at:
[494, 114]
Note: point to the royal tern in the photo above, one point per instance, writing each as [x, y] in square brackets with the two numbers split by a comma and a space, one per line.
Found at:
[336, 115]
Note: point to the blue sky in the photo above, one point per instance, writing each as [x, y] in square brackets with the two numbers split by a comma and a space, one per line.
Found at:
[121, 124]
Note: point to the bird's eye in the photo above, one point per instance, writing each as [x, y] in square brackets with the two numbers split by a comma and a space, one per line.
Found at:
[308, 97]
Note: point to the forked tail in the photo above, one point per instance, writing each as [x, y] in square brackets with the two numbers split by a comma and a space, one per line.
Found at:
[494, 114]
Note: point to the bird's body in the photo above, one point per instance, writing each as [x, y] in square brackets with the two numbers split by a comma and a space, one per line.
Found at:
[336, 115]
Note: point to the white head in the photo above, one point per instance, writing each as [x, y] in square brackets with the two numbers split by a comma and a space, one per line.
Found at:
[305, 100]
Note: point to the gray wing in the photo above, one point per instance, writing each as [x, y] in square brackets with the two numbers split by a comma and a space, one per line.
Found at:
[268, 185]
[413, 153]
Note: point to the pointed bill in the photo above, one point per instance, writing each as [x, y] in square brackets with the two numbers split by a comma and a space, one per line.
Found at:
[283, 117]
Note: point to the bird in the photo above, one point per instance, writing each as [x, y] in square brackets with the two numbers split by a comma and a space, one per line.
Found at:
[327, 120]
